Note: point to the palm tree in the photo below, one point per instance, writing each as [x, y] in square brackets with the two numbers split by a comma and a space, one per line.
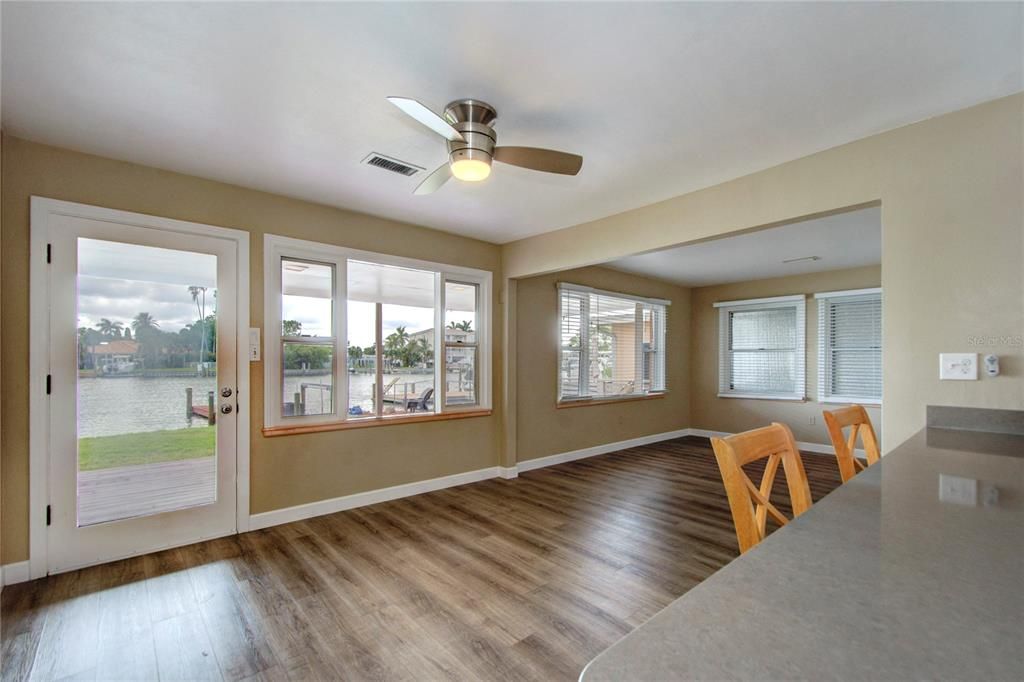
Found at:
[395, 343]
[401, 335]
[146, 335]
[144, 322]
[109, 329]
[465, 325]
[83, 345]
[199, 293]
[416, 352]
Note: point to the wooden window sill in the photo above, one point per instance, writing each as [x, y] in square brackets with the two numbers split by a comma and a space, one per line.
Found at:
[586, 402]
[370, 422]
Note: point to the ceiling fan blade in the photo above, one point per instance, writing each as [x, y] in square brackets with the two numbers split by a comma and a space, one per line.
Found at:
[427, 117]
[433, 182]
[547, 160]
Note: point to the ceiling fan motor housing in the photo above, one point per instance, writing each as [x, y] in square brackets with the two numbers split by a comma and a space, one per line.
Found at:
[473, 119]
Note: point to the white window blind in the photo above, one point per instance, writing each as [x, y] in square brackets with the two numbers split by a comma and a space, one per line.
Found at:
[850, 346]
[761, 348]
[610, 344]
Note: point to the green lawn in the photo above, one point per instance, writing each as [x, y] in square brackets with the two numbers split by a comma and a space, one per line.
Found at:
[104, 452]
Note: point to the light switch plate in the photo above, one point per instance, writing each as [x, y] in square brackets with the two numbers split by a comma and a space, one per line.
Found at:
[958, 366]
[254, 344]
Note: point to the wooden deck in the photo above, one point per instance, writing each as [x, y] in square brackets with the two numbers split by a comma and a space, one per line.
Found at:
[204, 412]
[141, 490]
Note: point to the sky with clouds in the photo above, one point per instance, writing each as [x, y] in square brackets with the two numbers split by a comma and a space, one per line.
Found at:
[121, 300]
[171, 306]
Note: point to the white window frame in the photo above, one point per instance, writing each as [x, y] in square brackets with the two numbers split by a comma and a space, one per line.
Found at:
[660, 346]
[799, 303]
[825, 394]
[276, 247]
[441, 378]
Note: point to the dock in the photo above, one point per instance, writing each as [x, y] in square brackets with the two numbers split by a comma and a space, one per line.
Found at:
[207, 411]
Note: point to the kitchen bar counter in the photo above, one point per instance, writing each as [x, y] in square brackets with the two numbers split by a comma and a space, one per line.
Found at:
[882, 579]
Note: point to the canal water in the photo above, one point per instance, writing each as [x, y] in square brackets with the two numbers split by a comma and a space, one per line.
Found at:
[112, 405]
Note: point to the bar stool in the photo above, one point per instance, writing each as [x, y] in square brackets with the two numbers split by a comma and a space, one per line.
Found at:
[855, 417]
[750, 504]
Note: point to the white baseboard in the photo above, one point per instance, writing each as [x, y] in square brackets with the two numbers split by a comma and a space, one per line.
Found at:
[12, 574]
[336, 504]
[540, 462]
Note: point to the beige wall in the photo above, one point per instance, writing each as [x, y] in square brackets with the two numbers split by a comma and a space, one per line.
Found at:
[952, 243]
[738, 414]
[953, 270]
[285, 470]
[543, 429]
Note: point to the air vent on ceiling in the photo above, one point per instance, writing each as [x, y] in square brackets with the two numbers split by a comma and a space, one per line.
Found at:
[390, 164]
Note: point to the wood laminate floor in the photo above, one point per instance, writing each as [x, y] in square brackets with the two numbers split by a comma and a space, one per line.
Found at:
[505, 579]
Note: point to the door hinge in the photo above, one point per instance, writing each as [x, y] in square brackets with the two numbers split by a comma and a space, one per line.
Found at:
[49, 383]
[49, 253]
[47, 515]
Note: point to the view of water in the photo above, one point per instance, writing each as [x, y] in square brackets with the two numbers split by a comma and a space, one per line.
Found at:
[109, 406]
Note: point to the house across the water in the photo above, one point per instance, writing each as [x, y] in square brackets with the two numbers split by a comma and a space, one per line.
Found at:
[115, 357]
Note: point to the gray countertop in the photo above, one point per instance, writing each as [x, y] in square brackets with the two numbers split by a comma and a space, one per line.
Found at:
[879, 580]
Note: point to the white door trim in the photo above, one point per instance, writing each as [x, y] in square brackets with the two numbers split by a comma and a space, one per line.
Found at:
[39, 343]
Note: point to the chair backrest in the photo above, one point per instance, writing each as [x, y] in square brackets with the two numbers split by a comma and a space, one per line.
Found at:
[750, 504]
[423, 403]
[855, 417]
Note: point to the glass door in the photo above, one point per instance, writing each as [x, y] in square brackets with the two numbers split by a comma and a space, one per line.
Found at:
[143, 402]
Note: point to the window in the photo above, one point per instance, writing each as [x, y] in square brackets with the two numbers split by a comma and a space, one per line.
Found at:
[761, 348]
[612, 345]
[392, 313]
[355, 336]
[850, 346]
[462, 355]
[308, 343]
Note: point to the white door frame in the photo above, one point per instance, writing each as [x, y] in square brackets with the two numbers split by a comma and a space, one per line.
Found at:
[39, 351]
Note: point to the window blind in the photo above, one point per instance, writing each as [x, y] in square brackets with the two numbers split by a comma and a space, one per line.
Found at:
[850, 346]
[610, 344]
[761, 348]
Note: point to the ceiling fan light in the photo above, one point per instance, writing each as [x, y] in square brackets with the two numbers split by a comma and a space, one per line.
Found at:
[471, 170]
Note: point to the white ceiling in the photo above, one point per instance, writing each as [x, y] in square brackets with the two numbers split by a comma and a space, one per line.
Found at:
[844, 240]
[659, 98]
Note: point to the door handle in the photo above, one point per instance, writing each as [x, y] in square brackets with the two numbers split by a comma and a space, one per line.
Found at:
[225, 408]
[225, 392]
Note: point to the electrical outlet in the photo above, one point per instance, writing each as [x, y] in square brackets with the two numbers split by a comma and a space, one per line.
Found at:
[958, 366]
[254, 344]
[812, 420]
[958, 490]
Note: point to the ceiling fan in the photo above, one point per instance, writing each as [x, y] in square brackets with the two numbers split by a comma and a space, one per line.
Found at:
[467, 125]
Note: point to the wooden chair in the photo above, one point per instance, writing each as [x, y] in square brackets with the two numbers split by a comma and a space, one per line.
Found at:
[751, 504]
[856, 417]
